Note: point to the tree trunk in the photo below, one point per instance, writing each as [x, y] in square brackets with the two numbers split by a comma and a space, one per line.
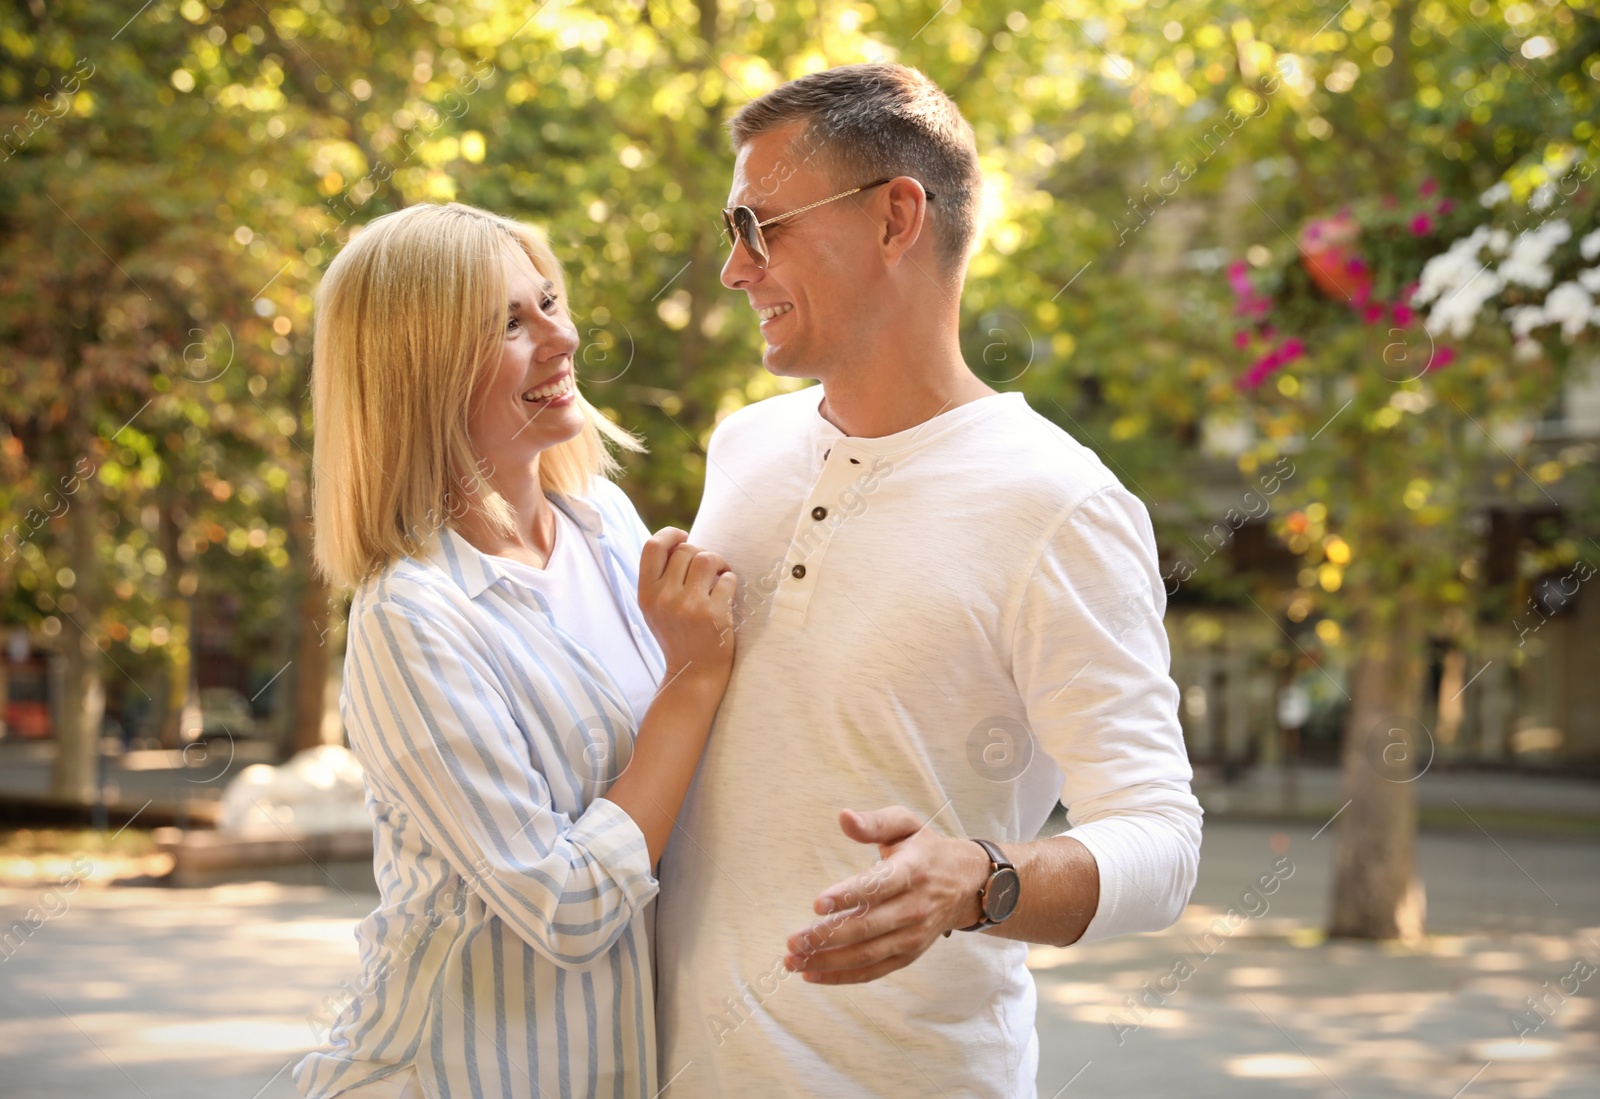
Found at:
[1376, 891]
[75, 777]
[311, 663]
[173, 701]
[313, 635]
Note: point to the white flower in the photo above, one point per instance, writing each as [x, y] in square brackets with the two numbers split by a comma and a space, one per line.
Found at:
[1496, 194]
[1589, 246]
[1589, 278]
[1499, 241]
[1474, 240]
[1543, 196]
[1452, 267]
[1459, 284]
[1457, 311]
[1571, 306]
[1526, 265]
[1525, 318]
[1526, 351]
[1442, 273]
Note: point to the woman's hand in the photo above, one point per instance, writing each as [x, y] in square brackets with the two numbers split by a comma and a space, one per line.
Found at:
[687, 598]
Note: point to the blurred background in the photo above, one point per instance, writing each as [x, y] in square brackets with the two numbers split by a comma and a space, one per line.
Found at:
[1317, 281]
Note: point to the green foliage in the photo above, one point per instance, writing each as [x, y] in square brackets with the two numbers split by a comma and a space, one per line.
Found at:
[163, 223]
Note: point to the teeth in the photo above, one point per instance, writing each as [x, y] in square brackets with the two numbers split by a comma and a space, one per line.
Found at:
[548, 392]
[774, 311]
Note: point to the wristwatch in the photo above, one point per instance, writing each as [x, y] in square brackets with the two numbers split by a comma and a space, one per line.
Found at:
[998, 897]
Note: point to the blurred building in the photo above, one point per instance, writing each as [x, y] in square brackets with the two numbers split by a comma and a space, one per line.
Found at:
[1526, 695]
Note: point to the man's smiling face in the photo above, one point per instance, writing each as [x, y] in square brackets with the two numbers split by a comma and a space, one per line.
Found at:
[815, 294]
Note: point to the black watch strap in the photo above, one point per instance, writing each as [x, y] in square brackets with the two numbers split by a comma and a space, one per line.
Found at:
[997, 863]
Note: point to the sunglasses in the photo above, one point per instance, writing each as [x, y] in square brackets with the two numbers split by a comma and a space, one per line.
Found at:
[740, 223]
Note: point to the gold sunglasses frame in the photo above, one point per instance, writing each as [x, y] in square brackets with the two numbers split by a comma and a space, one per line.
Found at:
[756, 244]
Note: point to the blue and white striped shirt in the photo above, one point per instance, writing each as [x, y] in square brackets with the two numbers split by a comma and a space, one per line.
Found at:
[508, 955]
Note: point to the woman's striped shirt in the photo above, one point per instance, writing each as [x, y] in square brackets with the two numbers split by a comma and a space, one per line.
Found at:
[508, 955]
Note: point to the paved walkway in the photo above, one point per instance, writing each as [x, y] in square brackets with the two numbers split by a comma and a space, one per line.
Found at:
[1269, 1009]
[206, 993]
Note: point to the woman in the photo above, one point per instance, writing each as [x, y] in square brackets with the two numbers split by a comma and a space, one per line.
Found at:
[523, 770]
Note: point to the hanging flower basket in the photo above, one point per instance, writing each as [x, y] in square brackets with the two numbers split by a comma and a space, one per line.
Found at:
[1328, 250]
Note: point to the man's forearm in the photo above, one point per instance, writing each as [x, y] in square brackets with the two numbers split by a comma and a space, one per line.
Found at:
[926, 886]
[1060, 890]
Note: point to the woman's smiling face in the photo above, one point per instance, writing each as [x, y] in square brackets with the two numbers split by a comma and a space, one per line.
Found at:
[529, 402]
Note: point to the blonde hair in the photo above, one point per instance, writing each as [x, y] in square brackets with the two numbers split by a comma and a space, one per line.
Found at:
[409, 320]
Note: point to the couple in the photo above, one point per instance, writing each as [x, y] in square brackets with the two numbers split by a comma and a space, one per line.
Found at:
[695, 815]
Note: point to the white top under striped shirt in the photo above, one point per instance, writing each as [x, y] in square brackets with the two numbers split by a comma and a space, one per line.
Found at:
[508, 955]
[586, 609]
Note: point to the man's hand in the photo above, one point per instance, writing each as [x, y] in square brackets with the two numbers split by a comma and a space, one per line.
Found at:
[883, 919]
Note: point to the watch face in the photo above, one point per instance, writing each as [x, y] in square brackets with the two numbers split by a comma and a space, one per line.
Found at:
[1000, 899]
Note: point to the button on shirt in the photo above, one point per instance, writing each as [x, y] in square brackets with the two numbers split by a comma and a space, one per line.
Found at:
[508, 954]
[964, 618]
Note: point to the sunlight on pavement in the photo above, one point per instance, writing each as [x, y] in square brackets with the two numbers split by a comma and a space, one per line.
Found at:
[1276, 1065]
[239, 1035]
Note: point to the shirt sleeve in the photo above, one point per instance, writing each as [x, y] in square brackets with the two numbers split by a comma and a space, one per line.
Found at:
[439, 739]
[1091, 662]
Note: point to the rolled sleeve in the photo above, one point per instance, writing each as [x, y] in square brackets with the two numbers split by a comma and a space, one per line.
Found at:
[1091, 661]
[437, 736]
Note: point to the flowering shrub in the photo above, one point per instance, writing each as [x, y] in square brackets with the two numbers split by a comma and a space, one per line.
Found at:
[1466, 277]
[1525, 273]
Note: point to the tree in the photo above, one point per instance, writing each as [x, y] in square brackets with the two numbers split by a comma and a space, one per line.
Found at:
[210, 160]
[1408, 484]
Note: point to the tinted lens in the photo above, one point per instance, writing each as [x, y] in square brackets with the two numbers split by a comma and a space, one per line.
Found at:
[744, 221]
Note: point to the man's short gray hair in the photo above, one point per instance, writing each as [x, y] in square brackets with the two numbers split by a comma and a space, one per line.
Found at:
[875, 121]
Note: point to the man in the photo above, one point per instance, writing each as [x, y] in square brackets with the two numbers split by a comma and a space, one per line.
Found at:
[951, 619]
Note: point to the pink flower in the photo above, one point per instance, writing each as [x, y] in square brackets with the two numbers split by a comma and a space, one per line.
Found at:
[1421, 225]
[1429, 186]
[1241, 339]
[1446, 205]
[1264, 366]
[1253, 377]
[1239, 278]
[1403, 314]
[1442, 357]
[1372, 313]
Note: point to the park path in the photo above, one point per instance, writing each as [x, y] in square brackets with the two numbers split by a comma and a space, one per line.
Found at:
[206, 993]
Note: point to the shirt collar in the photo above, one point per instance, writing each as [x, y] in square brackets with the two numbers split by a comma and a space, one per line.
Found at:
[474, 571]
[825, 435]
